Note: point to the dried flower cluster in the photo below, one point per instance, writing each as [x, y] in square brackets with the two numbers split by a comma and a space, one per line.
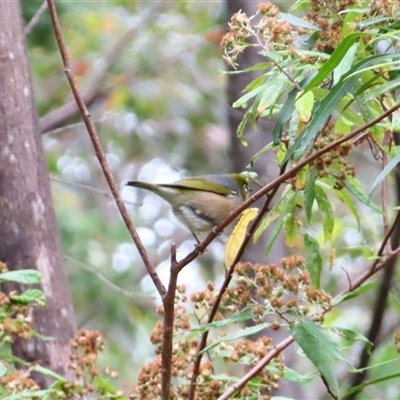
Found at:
[85, 349]
[334, 163]
[285, 291]
[271, 32]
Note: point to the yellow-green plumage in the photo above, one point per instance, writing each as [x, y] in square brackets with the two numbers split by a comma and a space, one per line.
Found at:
[201, 202]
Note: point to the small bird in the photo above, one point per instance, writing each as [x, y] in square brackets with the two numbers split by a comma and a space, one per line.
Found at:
[201, 202]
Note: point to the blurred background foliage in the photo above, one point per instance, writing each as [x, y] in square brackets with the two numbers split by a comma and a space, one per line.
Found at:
[150, 71]
[159, 105]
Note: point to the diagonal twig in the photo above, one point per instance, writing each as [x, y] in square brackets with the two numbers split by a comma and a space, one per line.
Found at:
[99, 150]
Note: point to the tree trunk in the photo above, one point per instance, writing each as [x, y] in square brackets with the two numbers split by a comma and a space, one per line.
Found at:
[28, 234]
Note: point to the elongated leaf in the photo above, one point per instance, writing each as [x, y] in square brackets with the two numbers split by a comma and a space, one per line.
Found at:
[48, 372]
[31, 394]
[334, 60]
[287, 205]
[353, 336]
[309, 192]
[348, 201]
[386, 171]
[372, 382]
[354, 293]
[296, 21]
[30, 296]
[379, 90]
[242, 101]
[289, 226]
[356, 189]
[314, 259]
[271, 94]
[256, 156]
[325, 206]
[26, 276]
[319, 348]
[237, 236]
[321, 112]
[271, 216]
[327, 107]
[237, 335]
[290, 374]
[345, 64]
[304, 105]
[284, 115]
[241, 316]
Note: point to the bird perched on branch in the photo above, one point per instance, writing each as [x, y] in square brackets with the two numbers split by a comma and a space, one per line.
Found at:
[201, 202]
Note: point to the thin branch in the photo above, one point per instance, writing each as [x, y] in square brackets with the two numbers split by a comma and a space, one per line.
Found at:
[36, 18]
[168, 328]
[92, 189]
[94, 87]
[142, 298]
[99, 151]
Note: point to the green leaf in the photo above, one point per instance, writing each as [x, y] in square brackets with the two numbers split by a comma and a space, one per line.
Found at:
[26, 276]
[28, 395]
[354, 293]
[334, 60]
[314, 259]
[325, 206]
[309, 192]
[49, 373]
[344, 195]
[381, 89]
[286, 206]
[304, 105]
[318, 347]
[3, 369]
[30, 296]
[353, 336]
[384, 173]
[290, 374]
[242, 101]
[271, 216]
[241, 316]
[256, 156]
[284, 115]
[271, 94]
[237, 335]
[105, 387]
[289, 226]
[295, 21]
[345, 64]
[327, 107]
[355, 188]
[358, 388]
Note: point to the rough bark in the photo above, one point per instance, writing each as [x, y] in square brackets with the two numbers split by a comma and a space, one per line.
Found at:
[28, 235]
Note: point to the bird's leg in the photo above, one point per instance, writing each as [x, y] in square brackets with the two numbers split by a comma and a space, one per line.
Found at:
[194, 235]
